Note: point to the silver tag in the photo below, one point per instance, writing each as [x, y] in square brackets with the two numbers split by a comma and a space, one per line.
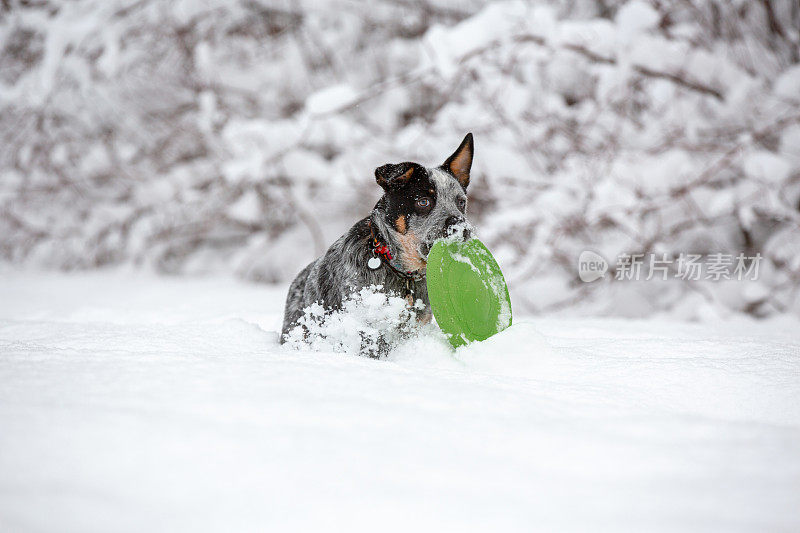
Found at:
[374, 262]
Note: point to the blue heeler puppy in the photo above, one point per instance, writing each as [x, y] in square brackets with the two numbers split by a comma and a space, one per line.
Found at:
[390, 246]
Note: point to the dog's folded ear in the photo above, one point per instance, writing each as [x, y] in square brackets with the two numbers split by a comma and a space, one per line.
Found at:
[392, 176]
[461, 161]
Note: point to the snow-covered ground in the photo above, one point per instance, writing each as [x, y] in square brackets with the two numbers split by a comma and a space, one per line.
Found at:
[132, 403]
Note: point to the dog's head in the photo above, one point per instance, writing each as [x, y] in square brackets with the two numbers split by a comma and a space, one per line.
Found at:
[421, 205]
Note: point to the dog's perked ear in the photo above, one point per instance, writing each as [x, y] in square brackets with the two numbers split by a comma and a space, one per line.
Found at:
[461, 161]
[393, 176]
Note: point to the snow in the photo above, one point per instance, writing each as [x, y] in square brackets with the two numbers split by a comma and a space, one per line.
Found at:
[368, 319]
[247, 208]
[635, 17]
[788, 84]
[765, 166]
[241, 137]
[132, 403]
[446, 46]
[331, 99]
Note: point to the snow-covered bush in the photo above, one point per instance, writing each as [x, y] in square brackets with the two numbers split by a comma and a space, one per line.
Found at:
[241, 136]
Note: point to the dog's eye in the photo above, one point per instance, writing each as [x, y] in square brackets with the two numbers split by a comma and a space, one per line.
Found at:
[461, 204]
[423, 204]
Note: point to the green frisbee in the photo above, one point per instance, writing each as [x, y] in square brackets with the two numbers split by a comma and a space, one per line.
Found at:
[468, 293]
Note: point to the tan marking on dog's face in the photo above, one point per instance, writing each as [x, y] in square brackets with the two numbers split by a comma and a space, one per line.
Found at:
[385, 178]
[400, 224]
[409, 252]
[406, 175]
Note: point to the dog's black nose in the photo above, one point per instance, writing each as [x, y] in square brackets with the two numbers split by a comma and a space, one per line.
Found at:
[451, 227]
[452, 221]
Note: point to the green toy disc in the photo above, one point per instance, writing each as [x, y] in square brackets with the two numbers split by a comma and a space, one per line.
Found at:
[468, 293]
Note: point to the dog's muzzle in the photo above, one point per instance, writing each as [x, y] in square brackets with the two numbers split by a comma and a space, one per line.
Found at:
[454, 228]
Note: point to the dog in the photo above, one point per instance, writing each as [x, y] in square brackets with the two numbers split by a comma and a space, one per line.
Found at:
[390, 247]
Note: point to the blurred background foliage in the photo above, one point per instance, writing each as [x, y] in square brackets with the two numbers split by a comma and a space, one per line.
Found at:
[240, 136]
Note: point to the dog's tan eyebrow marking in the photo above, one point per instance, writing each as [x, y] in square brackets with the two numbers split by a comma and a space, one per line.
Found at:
[406, 175]
[400, 223]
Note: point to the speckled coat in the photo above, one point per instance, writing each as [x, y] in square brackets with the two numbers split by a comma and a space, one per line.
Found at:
[419, 205]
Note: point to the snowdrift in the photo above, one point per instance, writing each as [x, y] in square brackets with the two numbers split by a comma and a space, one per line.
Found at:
[130, 403]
